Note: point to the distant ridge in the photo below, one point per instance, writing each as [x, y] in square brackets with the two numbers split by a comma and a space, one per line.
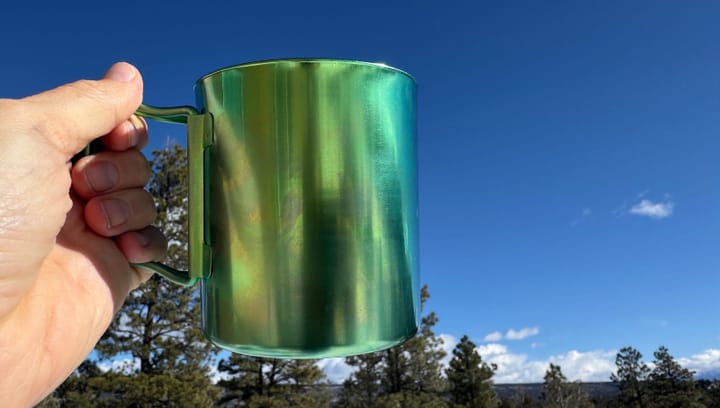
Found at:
[596, 390]
[708, 375]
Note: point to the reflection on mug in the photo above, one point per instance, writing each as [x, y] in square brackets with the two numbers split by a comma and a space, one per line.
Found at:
[303, 207]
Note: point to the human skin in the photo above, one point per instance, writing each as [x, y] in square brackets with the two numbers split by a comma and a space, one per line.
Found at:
[68, 232]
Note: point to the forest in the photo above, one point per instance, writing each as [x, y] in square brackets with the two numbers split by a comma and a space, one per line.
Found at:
[169, 363]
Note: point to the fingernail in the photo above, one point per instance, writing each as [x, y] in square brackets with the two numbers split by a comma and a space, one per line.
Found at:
[121, 72]
[143, 239]
[101, 176]
[133, 130]
[116, 212]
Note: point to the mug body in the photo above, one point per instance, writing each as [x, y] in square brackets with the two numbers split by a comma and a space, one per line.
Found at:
[311, 201]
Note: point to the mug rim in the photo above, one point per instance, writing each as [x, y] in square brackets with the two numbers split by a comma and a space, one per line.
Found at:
[307, 60]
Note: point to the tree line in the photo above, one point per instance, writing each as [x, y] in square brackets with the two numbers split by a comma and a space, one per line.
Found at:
[169, 363]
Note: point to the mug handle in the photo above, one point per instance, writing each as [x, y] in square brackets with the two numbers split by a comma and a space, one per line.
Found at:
[199, 138]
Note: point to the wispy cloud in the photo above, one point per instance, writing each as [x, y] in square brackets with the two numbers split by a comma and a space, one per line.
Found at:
[656, 210]
[513, 334]
[494, 336]
[584, 216]
[644, 206]
[522, 333]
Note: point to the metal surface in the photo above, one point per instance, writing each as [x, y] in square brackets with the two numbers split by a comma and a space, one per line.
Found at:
[311, 208]
[199, 138]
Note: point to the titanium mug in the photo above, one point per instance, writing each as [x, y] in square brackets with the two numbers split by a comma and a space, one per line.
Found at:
[303, 215]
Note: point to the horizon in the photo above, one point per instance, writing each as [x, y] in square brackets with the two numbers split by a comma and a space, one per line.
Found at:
[568, 153]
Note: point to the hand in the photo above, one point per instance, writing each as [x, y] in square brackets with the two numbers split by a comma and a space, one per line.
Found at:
[68, 232]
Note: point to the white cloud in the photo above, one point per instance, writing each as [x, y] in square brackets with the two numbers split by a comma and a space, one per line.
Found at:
[647, 208]
[575, 365]
[707, 361]
[522, 333]
[449, 343]
[585, 366]
[335, 369]
[494, 336]
[513, 334]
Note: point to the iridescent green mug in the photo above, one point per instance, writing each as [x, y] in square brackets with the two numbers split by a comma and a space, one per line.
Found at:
[303, 215]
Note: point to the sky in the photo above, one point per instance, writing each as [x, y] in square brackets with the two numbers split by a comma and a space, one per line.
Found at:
[568, 151]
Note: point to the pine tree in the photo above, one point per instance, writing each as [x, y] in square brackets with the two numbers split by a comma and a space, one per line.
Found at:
[631, 377]
[412, 371]
[362, 388]
[424, 351]
[711, 392]
[268, 382]
[559, 393]
[159, 324]
[671, 385]
[405, 375]
[470, 378]
[520, 400]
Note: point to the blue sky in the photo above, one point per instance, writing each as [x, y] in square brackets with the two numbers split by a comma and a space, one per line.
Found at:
[569, 171]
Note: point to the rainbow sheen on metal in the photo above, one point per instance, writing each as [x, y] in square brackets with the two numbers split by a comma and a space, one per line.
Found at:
[311, 217]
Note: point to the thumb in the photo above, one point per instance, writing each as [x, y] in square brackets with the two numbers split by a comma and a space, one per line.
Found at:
[72, 115]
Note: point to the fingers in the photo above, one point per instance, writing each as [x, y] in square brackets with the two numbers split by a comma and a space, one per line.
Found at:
[113, 182]
[145, 245]
[72, 115]
[120, 211]
[130, 134]
[110, 171]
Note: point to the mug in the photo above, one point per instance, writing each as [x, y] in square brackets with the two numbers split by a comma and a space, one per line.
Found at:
[303, 214]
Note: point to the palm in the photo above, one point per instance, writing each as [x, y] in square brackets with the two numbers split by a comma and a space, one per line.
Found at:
[64, 263]
[71, 303]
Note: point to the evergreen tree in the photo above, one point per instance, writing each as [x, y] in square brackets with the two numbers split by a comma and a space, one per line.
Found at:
[114, 389]
[268, 382]
[631, 377]
[425, 353]
[711, 391]
[671, 385]
[159, 324]
[470, 378]
[407, 399]
[521, 400]
[404, 375]
[412, 370]
[251, 376]
[559, 393]
[362, 388]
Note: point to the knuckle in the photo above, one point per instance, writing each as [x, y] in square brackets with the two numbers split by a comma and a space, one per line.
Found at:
[53, 131]
[26, 115]
[137, 166]
[143, 166]
[89, 89]
[94, 92]
[23, 116]
[149, 203]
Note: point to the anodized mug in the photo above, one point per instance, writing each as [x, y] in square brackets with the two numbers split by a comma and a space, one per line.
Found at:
[303, 214]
